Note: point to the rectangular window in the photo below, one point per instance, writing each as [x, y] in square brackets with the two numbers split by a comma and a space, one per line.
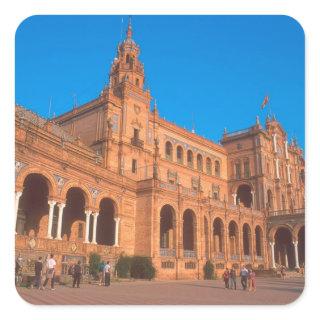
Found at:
[238, 170]
[136, 134]
[246, 168]
[134, 166]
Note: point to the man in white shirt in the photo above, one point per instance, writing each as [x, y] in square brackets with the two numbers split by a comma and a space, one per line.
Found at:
[107, 272]
[51, 263]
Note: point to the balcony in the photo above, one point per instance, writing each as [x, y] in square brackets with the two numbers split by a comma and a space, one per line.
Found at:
[166, 252]
[259, 258]
[189, 254]
[137, 142]
[246, 257]
[286, 211]
[219, 255]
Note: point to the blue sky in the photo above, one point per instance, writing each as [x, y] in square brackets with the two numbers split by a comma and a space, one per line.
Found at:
[213, 71]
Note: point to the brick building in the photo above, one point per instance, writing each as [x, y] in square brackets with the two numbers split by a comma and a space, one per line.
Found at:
[111, 176]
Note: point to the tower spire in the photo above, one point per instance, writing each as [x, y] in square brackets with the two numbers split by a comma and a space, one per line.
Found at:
[129, 30]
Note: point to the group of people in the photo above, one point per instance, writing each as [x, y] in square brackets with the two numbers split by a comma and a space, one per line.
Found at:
[44, 272]
[247, 278]
[104, 274]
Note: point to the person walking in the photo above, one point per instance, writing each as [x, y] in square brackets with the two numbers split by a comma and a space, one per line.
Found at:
[107, 273]
[77, 275]
[233, 279]
[38, 266]
[101, 273]
[226, 278]
[51, 264]
[283, 272]
[244, 277]
[252, 281]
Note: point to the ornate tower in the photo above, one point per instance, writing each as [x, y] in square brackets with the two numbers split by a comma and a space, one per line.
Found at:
[126, 67]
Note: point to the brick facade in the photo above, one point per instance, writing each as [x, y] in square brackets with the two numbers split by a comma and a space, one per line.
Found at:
[149, 182]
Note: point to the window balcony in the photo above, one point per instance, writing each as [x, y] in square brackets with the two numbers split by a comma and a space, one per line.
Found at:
[189, 254]
[219, 255]
[166, 252]
[246, 257]
[137, 142]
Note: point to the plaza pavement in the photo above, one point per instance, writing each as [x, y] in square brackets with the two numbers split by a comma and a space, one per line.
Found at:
[176, 292]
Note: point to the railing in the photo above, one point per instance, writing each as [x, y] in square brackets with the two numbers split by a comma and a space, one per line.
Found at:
[287, 211]
[259, 258]
[234, 257]
[137, 142]
[235, 133]
[246, 257]
[219, 255]
[165, 252]
[168, 186]
[189, 254]
[188, 191]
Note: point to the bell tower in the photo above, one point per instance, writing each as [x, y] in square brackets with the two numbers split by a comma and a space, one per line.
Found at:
[126, 67]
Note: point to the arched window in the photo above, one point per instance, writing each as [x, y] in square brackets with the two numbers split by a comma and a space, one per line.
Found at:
[208, 166]
[127, 58]
[168, 150]
[217, 168]
[137, 82]
[199, 162]
[190, 159]
[180, 155]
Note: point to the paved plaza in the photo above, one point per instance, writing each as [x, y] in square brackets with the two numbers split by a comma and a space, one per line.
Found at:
[182, 292]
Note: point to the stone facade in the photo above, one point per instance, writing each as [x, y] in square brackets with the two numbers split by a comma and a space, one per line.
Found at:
[111, 176]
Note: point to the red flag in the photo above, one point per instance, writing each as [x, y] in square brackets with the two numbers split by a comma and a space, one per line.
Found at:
[265, 102]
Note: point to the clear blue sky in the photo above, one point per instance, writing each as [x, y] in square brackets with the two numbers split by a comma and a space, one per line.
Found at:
[213, 69]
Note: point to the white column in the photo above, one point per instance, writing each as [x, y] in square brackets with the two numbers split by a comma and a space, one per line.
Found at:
[288, 173]
[94, 232]
[286, 149]
[51, 203]
[88, 214]
[61, 207]
[116, 236]
[296, 254]
[286, 257]
[277, 168]
[234, 195]
[17, 199]
[253, 200]
[274, 136]
[273, 264]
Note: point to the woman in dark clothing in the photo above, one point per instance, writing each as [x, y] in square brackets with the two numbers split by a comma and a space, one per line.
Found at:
[226, 278]
[77, 275]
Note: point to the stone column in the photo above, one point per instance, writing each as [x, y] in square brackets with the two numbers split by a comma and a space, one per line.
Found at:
[286, 149]
[116, 236]
[51, 203]
[253, 200]
[274, 136]
[88, 214]
[288, 173]
[273, 264]
[17, 199]
[94, 231]
[234, 195]
[285, 256]
[61, 207]
[277, 168]
[296, 254]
